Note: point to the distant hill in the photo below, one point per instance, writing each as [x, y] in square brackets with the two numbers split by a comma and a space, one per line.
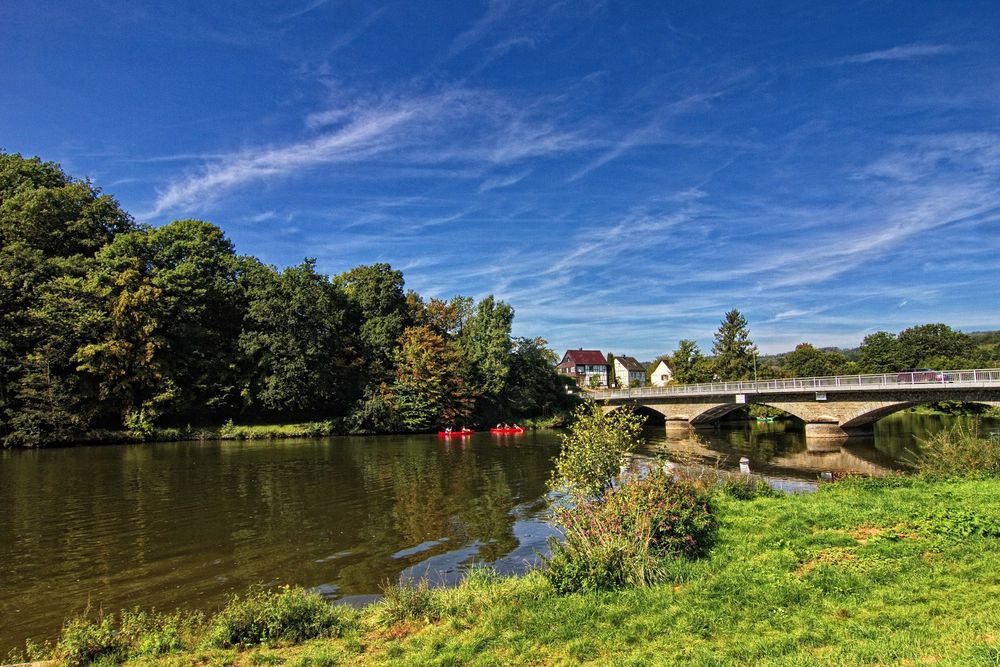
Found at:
[985, 337]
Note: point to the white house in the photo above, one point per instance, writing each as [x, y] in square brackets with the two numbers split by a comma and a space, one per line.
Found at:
[629, 372]
[662, 375]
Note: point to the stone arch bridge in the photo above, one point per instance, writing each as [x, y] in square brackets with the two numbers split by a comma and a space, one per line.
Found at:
[831, 407]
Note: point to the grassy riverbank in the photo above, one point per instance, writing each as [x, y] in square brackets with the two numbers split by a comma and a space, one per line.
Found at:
[230, 431]
[227, 431]
[895, 571]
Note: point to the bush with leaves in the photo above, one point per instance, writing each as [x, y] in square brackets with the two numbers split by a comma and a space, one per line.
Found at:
[407, 601]
[106, 640]
[285, 615]
[959, 450]
[622, 538]
[595, 448]
[746, 487]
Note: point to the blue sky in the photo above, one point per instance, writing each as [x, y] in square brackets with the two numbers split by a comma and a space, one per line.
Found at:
[621, 173]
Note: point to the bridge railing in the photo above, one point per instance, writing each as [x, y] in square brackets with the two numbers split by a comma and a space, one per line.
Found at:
[919, 379]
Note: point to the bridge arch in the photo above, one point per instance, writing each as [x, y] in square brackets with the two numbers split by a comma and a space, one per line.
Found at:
[868, 414]
[653, 416]
[713, 413]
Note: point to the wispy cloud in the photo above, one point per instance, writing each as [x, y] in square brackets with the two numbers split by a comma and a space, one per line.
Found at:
[496, 11]
[305, 9]
[454, 128]
[363, 137]
[503, 181]
[795, 313]
[905, 52]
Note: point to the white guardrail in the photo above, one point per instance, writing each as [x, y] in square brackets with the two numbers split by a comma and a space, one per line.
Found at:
[989, 377]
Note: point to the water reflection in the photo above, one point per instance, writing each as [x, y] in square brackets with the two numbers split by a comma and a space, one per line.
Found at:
[186, 524]
[780, 450]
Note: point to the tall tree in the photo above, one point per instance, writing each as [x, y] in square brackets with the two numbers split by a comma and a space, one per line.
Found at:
[687, 363]
[294, 342]
[127, 361]
[534, 388]
[51, 225]
[880, 353]
[486, 341]
[378, 313]
[734, 352]
[56, 404]
[429, 389]
[919, 345]
[807, 361]
[176, 310]
[196, 267]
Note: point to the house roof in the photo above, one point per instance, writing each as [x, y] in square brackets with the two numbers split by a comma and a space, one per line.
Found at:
[631, 364]
[665, 363]
[584, 357]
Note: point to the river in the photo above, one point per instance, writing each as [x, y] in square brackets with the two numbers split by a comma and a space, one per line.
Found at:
[186, 524]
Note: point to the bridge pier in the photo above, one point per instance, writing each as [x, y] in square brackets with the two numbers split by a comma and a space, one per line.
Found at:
[677, 426]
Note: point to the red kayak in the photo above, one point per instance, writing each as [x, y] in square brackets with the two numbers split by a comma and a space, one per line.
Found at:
[506, 431]
[455, 434]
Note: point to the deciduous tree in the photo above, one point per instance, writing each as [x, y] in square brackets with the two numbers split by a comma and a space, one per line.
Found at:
[807, 361]
[294, 341]
[595, 448]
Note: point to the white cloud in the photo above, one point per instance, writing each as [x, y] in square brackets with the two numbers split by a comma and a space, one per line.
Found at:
[906, 52]
[455, 128]
[503, 181]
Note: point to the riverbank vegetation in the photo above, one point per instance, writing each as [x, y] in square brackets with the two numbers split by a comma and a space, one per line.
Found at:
[893, 571]
[960, 450]
[112, 327]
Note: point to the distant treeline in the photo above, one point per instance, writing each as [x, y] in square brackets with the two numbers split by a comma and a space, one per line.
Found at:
[108, 324]
[734, 356]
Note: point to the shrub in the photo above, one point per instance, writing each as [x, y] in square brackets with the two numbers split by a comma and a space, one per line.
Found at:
[407, 601]
[596, 448]
[139, 423]
[285, 615]
[84, 641]
[149, 633]
[622, 538]
[746, 487]
[959, 450]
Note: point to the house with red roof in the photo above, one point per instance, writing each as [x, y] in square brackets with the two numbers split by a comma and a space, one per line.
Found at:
[582, 365]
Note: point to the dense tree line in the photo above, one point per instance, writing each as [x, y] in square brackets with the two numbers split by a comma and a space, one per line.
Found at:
[734, 356]
[105, 323]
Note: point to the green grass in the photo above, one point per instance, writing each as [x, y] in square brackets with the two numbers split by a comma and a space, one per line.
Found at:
[227, 431]
[896, 572]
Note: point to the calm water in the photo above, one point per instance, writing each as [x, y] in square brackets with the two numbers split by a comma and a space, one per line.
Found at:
[186, 524]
